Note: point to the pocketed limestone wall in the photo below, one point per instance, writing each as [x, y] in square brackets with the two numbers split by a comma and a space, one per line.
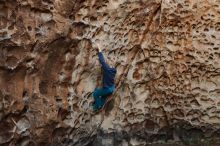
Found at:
[168, 71]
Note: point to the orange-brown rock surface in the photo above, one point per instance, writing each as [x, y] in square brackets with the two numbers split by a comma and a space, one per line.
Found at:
[168, 71]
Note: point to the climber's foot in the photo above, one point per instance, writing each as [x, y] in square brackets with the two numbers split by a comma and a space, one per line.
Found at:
[96, 108]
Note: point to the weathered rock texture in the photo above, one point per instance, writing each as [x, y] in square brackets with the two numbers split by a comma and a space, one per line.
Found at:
[168, 72]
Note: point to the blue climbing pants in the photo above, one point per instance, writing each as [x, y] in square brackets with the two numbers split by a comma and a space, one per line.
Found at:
[100, 95]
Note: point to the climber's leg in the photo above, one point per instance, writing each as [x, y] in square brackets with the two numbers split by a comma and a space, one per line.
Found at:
[100, 95]
[105, 91]
[99, 102]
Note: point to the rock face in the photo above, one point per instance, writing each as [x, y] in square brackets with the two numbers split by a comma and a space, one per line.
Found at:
[168, 71]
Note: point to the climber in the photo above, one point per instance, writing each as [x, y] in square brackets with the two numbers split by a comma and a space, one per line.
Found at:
[101, 94]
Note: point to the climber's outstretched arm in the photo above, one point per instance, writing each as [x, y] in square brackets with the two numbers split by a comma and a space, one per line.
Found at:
[105, 66]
